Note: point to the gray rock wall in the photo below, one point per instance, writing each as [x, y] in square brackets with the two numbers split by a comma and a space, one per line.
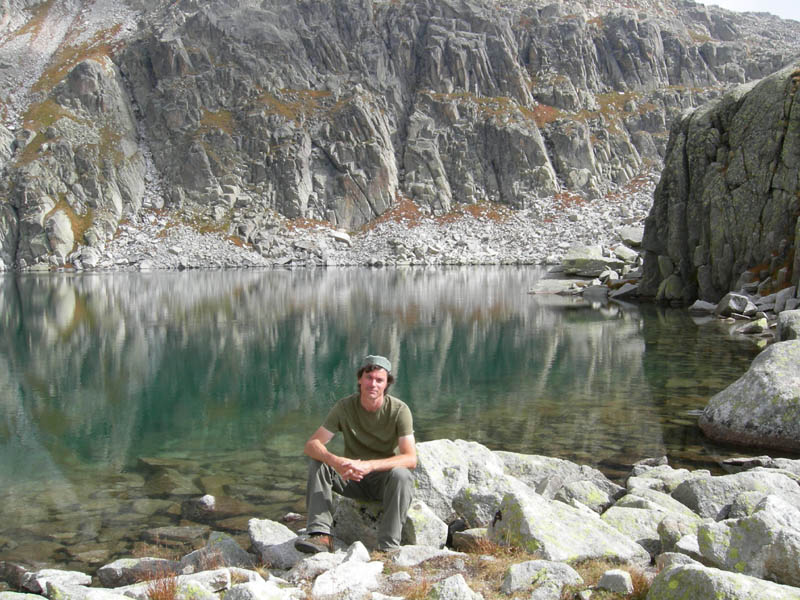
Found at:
[249, 111]
[729, 195]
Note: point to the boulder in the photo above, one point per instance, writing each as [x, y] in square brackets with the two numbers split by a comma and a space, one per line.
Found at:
[671, 530]
[220, 551]
[356, 520]
[469, 540]
[639, 524]
[631, 236]
[625, 254]
[453, 588]
[733, 303]
[537, 574]
[713, 496]
[423, 527]
[712, 216]
[588, 261]
[783, 297]
[587, 493]
[701, 307]
[411, 556]
[314, 565]
[703, 583]
[789, 325]
[617, 581]
[348, 580]
[274, 542]
[661, 478]
[66, 591]
[765, 544]
[125, 571]
[546, 475]
[445, 467]
[353, 577]
[478, 502]
[653, 499]
[59, 233]
[261, 590]
[36, 581]
[761, 408]
[560, 532]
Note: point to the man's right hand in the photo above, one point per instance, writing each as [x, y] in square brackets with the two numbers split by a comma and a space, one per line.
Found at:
[352, 470]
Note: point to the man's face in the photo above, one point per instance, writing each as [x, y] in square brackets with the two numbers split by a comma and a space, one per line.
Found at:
[373, 383]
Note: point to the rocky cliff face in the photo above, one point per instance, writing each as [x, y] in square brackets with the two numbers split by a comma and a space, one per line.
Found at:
[725, 211]
[238, 115]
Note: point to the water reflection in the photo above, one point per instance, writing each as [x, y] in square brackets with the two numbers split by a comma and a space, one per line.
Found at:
[220, 376]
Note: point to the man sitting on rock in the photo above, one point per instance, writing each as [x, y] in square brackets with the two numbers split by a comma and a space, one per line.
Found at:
[379, 453]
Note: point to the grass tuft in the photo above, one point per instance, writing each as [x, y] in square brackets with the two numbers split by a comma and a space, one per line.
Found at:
[164, 587]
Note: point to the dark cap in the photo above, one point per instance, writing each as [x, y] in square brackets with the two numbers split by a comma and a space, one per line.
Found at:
[378, 361]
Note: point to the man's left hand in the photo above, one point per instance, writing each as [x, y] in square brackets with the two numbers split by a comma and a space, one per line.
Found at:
[355, 470]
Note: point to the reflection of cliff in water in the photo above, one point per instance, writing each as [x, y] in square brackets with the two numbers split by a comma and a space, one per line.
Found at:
[228, 372]
[689, 361]
[105, 365]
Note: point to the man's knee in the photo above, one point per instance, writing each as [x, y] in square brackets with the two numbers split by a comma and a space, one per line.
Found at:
[402, 478]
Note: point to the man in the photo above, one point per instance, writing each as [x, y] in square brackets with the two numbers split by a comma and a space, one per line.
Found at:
[379, 453]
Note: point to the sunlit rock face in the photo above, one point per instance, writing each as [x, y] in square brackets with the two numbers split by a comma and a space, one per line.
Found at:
[335, 111]
[729, 196]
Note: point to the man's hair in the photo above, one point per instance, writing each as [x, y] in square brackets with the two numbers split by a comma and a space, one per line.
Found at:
[369, 369]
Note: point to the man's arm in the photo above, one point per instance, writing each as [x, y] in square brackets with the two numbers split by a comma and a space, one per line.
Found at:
[356, 469]
[316, 448]
[407, 458]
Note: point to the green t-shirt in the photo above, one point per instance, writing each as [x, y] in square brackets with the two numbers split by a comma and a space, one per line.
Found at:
[369, 435]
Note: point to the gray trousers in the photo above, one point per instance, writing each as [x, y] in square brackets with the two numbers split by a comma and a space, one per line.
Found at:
[394, 488]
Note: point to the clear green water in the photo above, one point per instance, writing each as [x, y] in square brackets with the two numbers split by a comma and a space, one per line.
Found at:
[222, 376]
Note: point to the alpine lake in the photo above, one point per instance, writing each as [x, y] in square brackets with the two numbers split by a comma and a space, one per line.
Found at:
[124, 394]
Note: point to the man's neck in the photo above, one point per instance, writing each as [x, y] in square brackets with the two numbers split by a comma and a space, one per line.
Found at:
[371, 405]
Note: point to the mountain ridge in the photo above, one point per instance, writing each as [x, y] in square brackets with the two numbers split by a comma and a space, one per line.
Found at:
[241, 115]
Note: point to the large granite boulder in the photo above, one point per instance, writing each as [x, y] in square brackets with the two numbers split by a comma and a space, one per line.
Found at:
[446, 467]
[703, 583]
[547, 475]
[713, 497]
[560, 532]
[765, 544]
[356, 520]
[125, 571]
[761, 408]
[640, 513]
[726, 201]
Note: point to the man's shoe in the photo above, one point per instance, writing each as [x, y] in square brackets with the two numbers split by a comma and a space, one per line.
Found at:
[316, 542]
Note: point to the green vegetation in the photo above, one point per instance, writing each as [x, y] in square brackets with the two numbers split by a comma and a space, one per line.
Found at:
[34, 25]
[485, 568]
[221, 120]
[67, 57]
[80, 223]
[295, 104]
[38, 118]
[501, 107]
